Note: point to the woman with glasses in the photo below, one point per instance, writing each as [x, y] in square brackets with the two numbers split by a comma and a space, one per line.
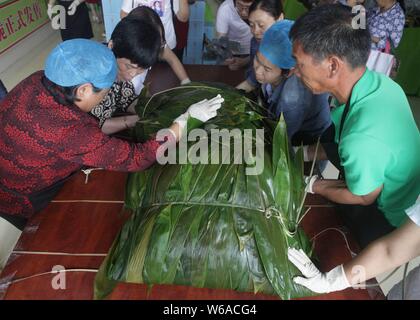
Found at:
[132, 49]
[262, 15]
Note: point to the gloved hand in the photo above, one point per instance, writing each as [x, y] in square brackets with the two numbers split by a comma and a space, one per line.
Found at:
[309, 181]
[185, 81]
[334, 280]
[50, 10]
[73, 7]
[202, 111]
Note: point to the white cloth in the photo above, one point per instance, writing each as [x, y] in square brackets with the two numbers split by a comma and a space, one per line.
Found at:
[9, 236]
[138, 81]
[230, 23]
[165, 15]
[414, 212]
[380, 62]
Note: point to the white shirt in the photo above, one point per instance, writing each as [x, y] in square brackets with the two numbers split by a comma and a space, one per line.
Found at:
[229, 22]
[165, 15]
[138, 81]
[414, 212]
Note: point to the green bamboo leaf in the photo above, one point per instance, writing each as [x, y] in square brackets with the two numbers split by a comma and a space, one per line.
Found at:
[280, 141]
[211, 225]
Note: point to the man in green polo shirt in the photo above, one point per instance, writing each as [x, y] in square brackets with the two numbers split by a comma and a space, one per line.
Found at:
[377, 138]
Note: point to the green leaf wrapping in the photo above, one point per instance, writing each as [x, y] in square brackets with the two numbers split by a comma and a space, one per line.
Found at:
[211, 225]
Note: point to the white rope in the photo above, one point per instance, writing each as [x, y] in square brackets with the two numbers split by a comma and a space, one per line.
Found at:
[306, 192]
[47, 253]
[45, 273]
[353, 254]
[88, 201]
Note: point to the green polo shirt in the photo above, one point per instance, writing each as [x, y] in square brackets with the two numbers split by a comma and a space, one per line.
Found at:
[380, 145]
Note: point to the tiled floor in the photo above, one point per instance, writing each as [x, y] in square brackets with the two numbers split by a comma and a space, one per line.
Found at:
[17, 72]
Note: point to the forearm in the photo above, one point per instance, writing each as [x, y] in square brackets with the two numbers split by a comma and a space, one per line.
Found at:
[184, 11]
[385, 254]
[117, 124]
[373, 261]
[337, 191]
[175, 64]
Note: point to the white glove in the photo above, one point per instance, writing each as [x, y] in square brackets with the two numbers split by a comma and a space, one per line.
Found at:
[185, 81]
[50, 10]
[334, 280]
[203, 111]
[309, 181]
[73, 7]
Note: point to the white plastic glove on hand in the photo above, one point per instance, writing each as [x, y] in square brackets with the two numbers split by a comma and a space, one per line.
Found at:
[334, 280]
[73, 7]
[203, 111]
[50, 10]
[309, 181]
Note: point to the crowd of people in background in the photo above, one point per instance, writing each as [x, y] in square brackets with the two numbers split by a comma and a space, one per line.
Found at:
[293, 66]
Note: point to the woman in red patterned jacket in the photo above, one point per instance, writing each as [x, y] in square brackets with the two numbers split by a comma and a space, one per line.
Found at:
[47, 133]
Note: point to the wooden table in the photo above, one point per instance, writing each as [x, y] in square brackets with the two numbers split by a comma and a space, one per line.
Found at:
[85, 218]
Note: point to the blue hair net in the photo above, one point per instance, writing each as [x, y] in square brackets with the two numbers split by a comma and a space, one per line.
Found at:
[276, 46]
[80, 61]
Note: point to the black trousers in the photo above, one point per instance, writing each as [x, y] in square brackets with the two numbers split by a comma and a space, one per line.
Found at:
[366, 223]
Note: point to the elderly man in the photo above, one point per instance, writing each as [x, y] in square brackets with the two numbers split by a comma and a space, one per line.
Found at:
[376, 138]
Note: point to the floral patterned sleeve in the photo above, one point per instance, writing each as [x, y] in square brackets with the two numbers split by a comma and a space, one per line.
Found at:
[388, 25]
[397, 28]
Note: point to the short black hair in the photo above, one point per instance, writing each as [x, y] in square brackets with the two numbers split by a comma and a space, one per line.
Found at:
[327, 30]
[137, 41]
[273, 7]
[64, 95]
[148, 15]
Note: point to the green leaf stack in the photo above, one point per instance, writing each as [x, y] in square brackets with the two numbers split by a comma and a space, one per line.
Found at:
[212, 225]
